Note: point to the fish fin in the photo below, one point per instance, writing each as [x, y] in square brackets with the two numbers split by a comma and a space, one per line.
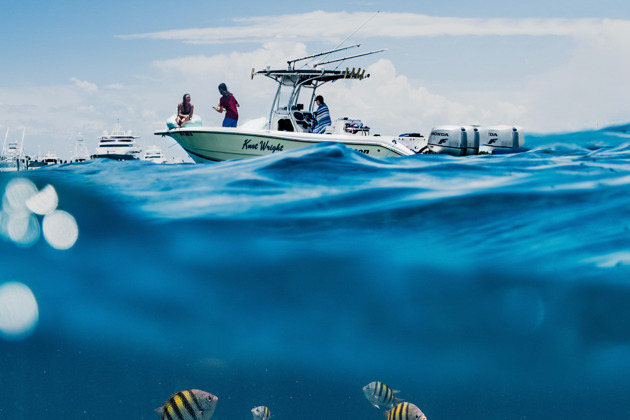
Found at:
[376, 405]
[159, 411]
[395, 391]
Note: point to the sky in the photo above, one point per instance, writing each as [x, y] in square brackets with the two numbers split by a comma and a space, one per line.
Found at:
[74, 69]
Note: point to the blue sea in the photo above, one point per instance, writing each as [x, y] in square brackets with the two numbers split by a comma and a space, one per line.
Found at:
[481, 287]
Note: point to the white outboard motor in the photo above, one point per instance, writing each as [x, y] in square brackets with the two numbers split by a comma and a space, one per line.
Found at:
[472, 139]
[502, 138]
[448, 139]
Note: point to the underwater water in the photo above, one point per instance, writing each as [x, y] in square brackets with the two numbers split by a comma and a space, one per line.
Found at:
[489, 287]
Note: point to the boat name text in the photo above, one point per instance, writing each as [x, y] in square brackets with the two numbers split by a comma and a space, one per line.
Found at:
[262, 145]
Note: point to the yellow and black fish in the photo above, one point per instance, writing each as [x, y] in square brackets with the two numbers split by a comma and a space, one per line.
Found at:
[261, 413]
[380, 395]
[191, 404]
[405, 411]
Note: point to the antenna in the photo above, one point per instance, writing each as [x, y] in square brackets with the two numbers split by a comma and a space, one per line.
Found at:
[355, 31]
[320, 54]
[347, 58]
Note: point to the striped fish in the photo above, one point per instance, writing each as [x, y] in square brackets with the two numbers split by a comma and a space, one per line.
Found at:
[405, 411]
[380, 395]
[261, 413]
[191, 404]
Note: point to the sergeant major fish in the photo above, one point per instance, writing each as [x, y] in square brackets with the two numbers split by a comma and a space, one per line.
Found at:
[405, 411]
[261, 413]
[380, 395]
[191, 404]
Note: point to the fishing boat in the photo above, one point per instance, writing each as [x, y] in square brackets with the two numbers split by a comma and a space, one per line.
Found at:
[12, 156]
[117, 145]
[290, 124]
[154, 154]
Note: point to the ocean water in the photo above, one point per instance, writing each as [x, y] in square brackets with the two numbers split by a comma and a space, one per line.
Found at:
[481, 287]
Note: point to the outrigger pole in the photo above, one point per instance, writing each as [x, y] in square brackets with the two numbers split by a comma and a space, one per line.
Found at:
[5, 143]
[347, 58]
[290, 62]
[22, 144]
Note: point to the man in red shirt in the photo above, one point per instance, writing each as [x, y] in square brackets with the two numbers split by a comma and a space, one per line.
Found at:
[227, 103]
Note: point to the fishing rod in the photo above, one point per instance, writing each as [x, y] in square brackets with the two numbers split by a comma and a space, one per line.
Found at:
[347, 58]
[320, 54]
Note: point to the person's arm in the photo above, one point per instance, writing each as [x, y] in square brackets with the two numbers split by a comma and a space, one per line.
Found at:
[219, 108]
[192, 108]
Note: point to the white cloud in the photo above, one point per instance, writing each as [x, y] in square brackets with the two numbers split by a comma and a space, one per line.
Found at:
[391, 103]
[333, 27]
[88, 87]
[115, 86]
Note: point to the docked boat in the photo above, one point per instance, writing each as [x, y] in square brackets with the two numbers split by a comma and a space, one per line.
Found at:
[154, 154]
[49, 158]
[291, 123]
[12, 157]
[118, 145]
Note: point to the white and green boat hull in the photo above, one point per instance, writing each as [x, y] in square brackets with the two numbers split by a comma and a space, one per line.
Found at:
[204, 144]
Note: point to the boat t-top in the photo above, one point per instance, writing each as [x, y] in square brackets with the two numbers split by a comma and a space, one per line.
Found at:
[292, 119]
[80, 152]
[118, 145]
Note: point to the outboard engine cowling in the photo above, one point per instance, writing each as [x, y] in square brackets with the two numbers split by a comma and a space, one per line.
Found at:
[472, 139]
[503, 138]
[448, 139]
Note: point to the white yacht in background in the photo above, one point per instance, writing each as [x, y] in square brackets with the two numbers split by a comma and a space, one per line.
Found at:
[12, 156]
[154, 154]
[117, 145]
[80, 152]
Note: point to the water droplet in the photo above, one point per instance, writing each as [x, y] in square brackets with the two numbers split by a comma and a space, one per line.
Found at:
[60, 229]
[18, 310]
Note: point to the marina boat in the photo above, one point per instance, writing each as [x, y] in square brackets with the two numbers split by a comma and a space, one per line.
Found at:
[48, 159]
[154, 154]
[12, 156]
[117, 145]
[292, 119]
